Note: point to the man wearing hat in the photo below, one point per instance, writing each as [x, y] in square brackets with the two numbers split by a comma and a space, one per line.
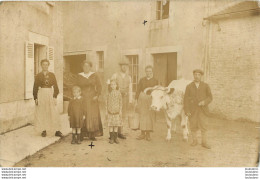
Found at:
[196, 99]
[125, 86]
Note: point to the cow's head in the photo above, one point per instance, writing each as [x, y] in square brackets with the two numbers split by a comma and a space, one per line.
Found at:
[160, 96]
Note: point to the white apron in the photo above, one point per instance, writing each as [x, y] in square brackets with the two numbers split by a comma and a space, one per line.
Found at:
[46, 113]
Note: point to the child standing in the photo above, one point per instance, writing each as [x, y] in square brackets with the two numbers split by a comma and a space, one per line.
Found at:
[76, 115]
[114, 111]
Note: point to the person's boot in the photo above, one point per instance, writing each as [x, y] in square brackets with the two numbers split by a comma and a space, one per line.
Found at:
[194, 139]
[115, 138]
[148, 138]
[81, 137]
[73, 141]
[44, 133]
[120, 135]
[204, 142]
[111, 138]
[92, 136]
[78, 139]
[142, 136]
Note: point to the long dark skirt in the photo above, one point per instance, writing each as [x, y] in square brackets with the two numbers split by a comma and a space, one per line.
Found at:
[93, 123]
[146, 116]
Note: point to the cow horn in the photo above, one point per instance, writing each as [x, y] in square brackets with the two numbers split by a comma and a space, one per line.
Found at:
[169, 90]
[148, 89]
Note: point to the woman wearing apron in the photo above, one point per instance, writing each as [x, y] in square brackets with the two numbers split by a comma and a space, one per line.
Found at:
[45, 92]
[146, 116]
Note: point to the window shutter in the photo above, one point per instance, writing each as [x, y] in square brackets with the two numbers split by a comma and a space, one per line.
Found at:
[29, 69]
[50, 57]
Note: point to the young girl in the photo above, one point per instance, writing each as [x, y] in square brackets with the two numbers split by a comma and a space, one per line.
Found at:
[114, 111]
[76, 114]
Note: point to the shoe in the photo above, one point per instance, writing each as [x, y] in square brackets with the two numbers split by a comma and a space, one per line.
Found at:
[81, 137]
[142, 136]
[58, 134]
[121, 136]
[204, 142]
[92, 138]
[73, 141]
[78, 139]
[148, 138]
[111, 138]
[205, 145]
[115, 138]
[194, 139]
[44, 133]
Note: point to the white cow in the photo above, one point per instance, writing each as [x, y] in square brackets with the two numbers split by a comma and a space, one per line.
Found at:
[170, 99]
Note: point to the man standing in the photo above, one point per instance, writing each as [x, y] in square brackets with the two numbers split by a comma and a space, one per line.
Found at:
[125, 86]
[196, 99]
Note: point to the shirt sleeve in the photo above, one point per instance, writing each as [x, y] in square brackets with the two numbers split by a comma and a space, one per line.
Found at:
[106, 103]
[186, 100]
[69, 109]
[98, 85]
[208, 94]
[120, 102]
[139, 88]
[55, 86]
[36, 87]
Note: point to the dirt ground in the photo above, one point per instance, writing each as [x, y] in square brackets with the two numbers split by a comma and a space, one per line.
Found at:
[234, 144]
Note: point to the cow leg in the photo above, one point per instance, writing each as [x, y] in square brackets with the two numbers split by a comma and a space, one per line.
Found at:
[169, 126]
[174, 125]
[184, 126]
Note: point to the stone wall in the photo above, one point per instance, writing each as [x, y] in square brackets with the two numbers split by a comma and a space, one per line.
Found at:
[234, 67]
[17, 21]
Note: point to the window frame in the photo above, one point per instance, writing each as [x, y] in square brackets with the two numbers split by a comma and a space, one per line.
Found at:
[134, 70]
[101, 68]
[160, 9]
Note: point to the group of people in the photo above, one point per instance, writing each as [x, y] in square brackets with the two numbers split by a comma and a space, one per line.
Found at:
[84, 113]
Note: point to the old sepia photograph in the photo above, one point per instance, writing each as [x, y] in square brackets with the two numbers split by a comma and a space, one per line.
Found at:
[127, 83]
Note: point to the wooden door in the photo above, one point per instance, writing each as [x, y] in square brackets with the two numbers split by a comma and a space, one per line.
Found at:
[171, 67]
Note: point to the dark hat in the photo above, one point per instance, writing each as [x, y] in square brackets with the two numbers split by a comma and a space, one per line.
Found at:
[123, 62]
[198, 71]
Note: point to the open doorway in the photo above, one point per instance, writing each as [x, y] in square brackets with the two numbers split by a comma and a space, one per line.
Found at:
[72, 66]
[73, 63]
[165, 67]
[165, 70]
[40, 52]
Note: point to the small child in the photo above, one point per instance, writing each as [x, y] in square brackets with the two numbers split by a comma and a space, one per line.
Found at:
[114, 111]
[76, 115]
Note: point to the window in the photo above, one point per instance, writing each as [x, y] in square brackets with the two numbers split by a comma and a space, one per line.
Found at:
[37, 57]
[133, 70]
[100, 55]
[43, 52]
[34, 53]
[162, 9]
